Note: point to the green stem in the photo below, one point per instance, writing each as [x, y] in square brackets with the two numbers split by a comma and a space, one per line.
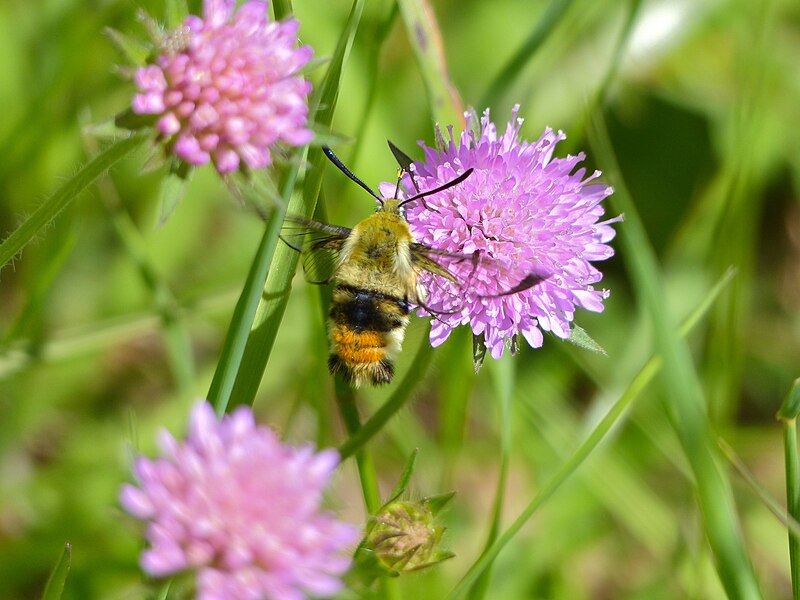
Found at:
[402, 393]
[503, 379]
[788, 414]
[346, 402]
[792, 498]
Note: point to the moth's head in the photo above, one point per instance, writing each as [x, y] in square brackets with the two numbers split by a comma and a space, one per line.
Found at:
[392, 205]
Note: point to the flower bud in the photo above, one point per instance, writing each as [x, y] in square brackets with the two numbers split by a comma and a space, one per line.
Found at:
[404, 537]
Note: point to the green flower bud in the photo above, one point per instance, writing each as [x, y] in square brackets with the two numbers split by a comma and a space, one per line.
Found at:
[404, 537]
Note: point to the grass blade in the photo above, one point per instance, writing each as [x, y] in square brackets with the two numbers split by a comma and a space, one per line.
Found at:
[275, 292]
[426, 40]
[508, 74]
[682, 387]
[70, 190]
[638, 384]
[58, 578]
[236, 339]
[771, 503]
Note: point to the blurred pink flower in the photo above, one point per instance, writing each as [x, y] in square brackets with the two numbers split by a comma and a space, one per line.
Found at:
[527, 213]
[242, 510]
[225, 87]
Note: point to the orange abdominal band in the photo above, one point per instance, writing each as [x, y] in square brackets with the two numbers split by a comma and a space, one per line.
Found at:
[358, 347]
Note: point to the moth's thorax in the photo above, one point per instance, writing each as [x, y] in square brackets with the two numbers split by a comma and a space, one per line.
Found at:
[377, 254]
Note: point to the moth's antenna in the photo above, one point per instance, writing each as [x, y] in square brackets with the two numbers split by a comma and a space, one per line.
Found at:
[404, 161]
[400, 173]
[335, 160]
[447, 185]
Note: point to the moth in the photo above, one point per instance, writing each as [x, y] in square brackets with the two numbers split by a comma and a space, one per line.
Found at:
[375, 267]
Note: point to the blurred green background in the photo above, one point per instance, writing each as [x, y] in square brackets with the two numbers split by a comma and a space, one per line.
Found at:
[702, 110]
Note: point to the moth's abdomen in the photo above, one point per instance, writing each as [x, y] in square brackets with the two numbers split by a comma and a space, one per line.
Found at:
[366, 330]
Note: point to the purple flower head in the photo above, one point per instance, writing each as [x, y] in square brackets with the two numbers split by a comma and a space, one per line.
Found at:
[225, 87]
[527, 213]
[241, 509]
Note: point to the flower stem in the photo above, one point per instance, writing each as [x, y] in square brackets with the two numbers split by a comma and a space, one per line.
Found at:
[402, 393]
[346, 402]
[788, 414]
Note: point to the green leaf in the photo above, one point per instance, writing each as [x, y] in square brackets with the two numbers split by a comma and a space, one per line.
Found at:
[62, 198]
[247, 367]
[58, 577]
[135, 51]
[405, 477]
[131, 121]
[544, 28]
[233, 348]
[580, 338]
[426, 41]
[281, 9]
[171, 192]
[436, 503]
[478, 352]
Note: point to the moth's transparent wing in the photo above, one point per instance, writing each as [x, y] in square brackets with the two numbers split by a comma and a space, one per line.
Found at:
[485, 275]
[319, 245]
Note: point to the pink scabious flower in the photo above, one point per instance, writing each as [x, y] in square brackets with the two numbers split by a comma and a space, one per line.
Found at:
[225, 87]
[242, 510]
[527, 213]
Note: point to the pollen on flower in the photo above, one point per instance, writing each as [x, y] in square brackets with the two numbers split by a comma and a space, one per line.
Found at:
[524, 212]
[225, 87]
[242, 510]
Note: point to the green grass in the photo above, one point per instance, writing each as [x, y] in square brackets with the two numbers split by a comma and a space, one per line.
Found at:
[577, 474]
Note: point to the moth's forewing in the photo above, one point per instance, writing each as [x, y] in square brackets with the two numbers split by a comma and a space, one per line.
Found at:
[421, 259]
[319, 243]
[478, 271]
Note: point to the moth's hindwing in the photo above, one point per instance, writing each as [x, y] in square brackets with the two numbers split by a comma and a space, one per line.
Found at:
[319, 243]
